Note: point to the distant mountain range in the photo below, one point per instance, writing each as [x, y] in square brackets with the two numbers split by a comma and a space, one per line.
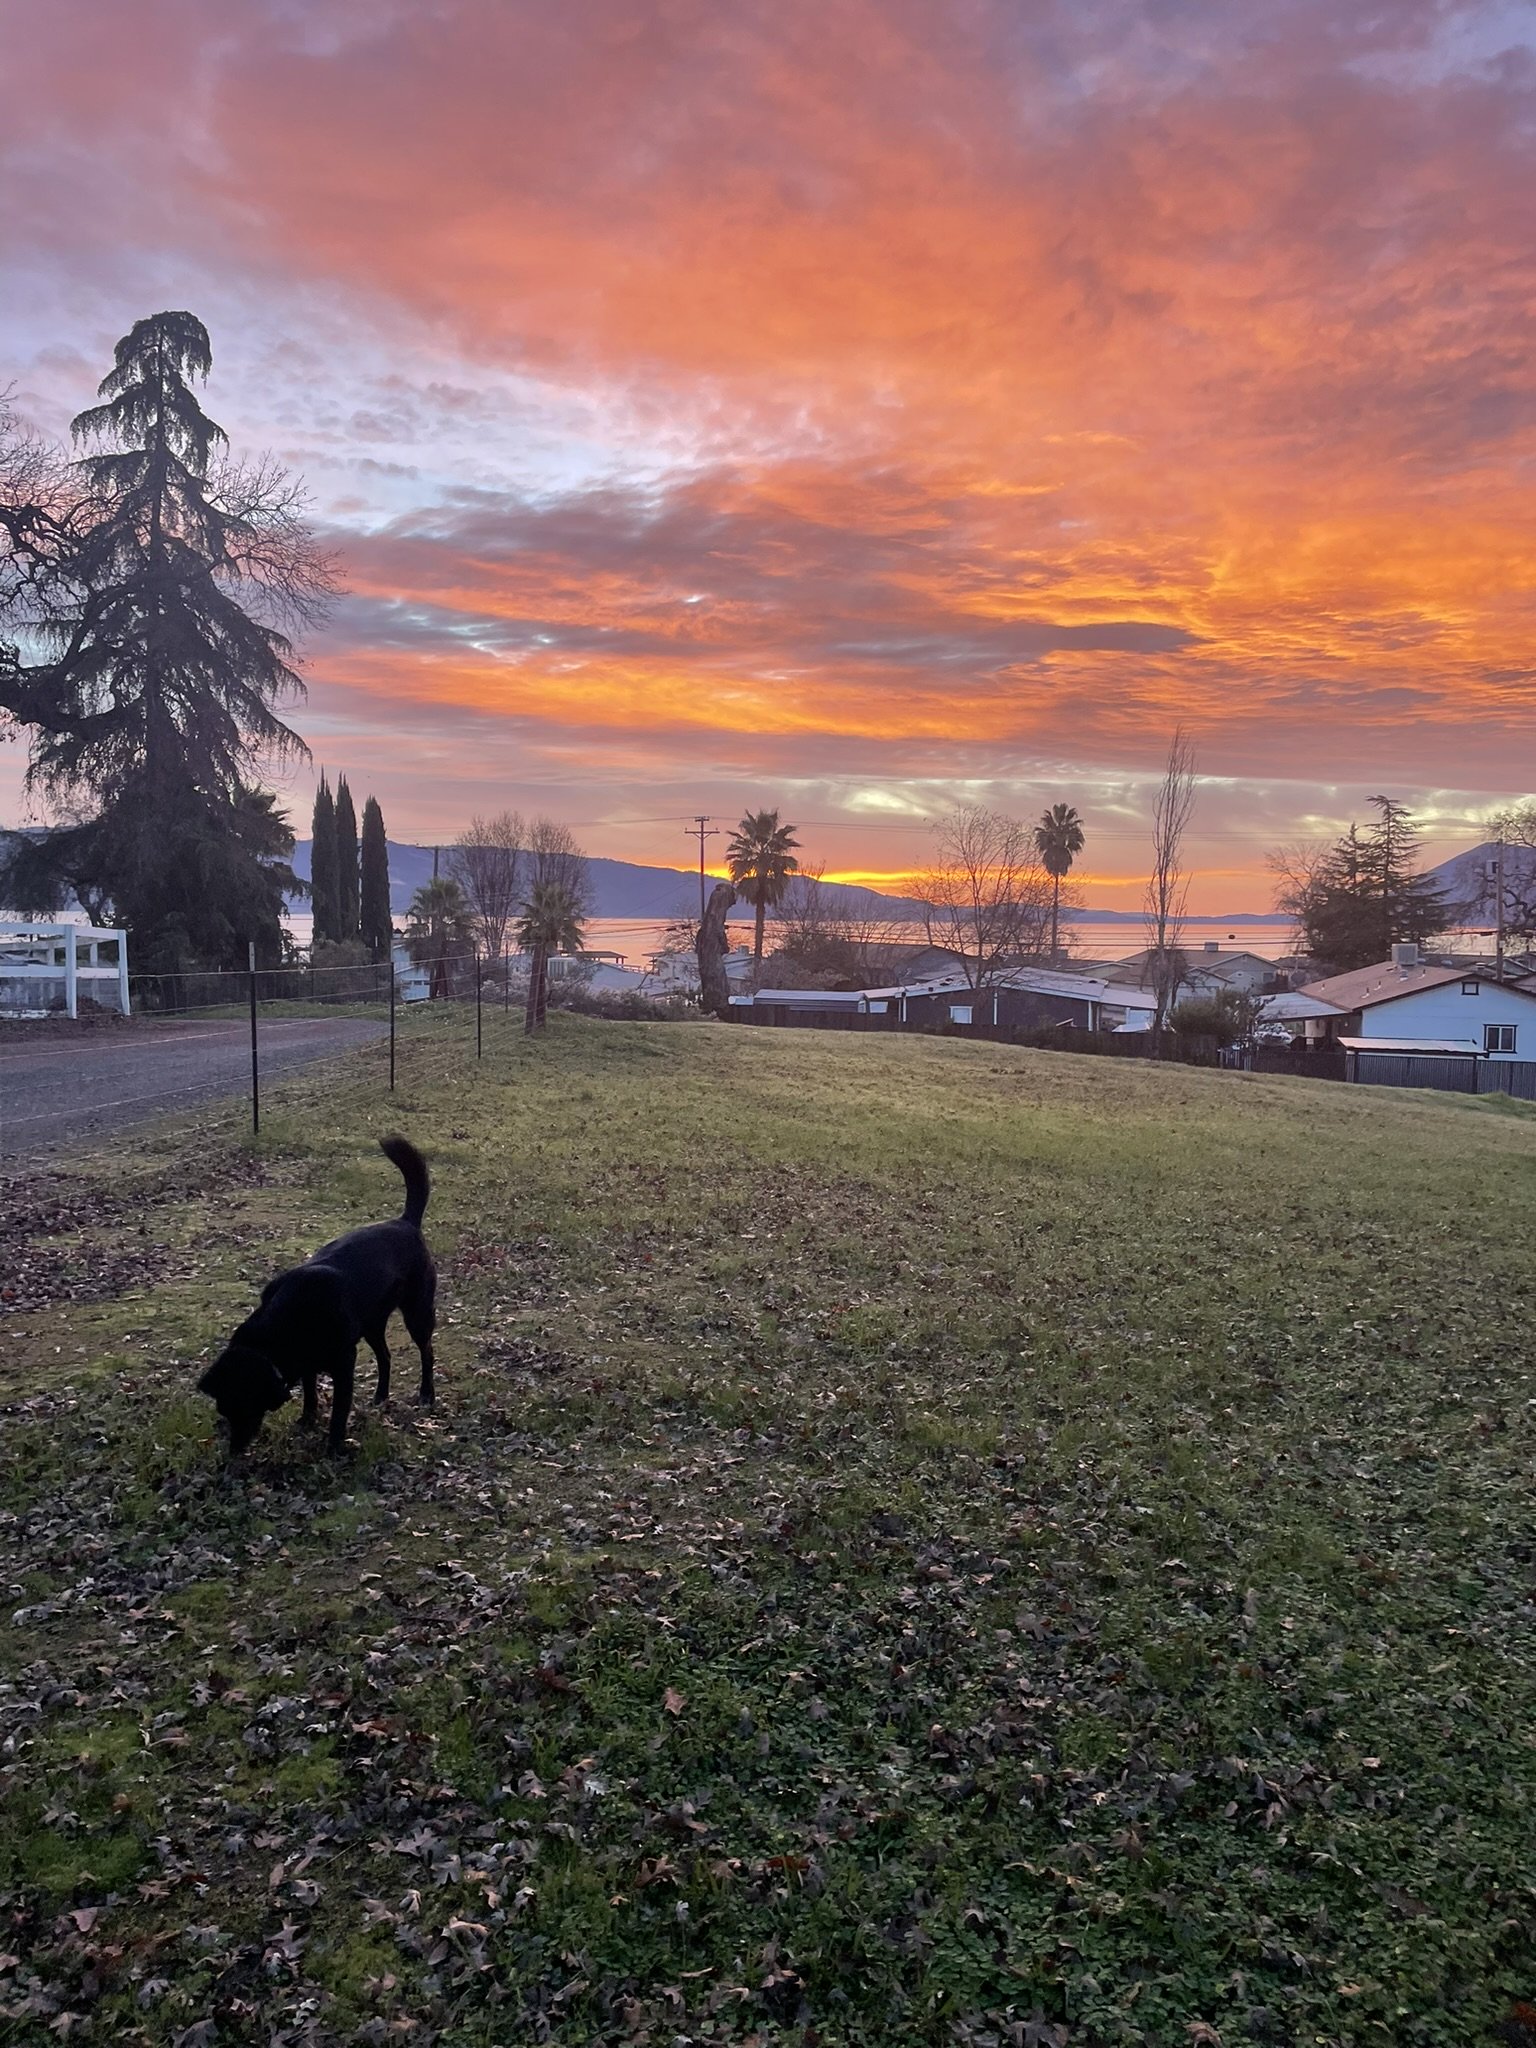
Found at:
[1467, 880]
[620, 888]
[623, 888]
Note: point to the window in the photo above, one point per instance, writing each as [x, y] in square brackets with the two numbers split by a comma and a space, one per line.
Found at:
[1471, 988]
[959, 1013]
[878, 1009]
[1498, 1038]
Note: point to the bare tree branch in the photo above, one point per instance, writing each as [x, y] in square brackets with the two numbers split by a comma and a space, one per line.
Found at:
[1168, 885]
[987, 897]
[487, 865]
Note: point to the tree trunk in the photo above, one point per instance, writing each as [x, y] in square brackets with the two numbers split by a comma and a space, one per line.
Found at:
[757, 942]
[715, 990]
[1055, 913]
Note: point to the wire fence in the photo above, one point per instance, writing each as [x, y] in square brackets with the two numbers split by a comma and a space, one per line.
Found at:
[474, 985]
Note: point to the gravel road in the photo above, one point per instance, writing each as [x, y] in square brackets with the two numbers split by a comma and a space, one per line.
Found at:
[55, 1095]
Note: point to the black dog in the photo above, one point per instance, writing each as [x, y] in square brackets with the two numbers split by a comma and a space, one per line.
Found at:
[312, 1316]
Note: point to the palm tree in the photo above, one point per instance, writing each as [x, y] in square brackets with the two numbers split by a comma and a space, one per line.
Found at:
[760, 853]
[439, 926]
[551, 922]
[1058, 841]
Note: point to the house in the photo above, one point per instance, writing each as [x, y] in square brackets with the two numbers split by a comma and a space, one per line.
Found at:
[1405, 1005]
[1206, 972]
[1025, 1000]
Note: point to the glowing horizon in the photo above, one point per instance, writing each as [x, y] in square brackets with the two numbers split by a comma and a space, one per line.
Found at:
[849, 410]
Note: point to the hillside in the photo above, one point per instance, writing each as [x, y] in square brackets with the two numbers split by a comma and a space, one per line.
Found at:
[1467, 881]
[919, 1543]
[620, 888]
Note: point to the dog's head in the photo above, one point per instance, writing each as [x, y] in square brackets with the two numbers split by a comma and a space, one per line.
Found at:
[245, 1386]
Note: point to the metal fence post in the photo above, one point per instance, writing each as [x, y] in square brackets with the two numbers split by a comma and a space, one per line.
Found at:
[255, 1070]
[391, 1025]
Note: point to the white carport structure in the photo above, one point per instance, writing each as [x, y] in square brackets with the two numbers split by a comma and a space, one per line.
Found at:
[1292, 1007]
[34, 955]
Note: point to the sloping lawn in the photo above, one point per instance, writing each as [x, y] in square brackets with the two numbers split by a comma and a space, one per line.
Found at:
[919, 1543]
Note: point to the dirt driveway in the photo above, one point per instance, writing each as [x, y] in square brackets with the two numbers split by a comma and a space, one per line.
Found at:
[58, 1093]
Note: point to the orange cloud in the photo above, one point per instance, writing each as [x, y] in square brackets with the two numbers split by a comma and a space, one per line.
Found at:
[856, 390]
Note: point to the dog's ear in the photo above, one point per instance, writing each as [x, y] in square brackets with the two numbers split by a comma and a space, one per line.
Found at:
[248, 1378]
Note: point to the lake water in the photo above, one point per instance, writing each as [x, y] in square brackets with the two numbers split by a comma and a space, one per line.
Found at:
[637, 938]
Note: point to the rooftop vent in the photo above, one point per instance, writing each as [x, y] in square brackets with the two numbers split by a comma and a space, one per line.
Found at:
[1405, 955]
[1213, 945]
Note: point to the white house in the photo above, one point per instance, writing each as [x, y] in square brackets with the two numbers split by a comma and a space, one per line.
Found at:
[1406, 1005]
[1207, 972]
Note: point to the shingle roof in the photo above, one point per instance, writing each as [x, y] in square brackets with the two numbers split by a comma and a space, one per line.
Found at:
[1364, 987]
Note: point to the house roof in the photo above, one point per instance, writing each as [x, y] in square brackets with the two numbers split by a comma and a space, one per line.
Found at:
[1294, 1006]
[1364, 987]
[806, 998]
[1197, 962]
[1462, 1046]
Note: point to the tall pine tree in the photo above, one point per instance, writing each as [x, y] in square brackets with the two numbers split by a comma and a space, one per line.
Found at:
[325, 897]
[377, 924]
[154, 697]
[346, 862]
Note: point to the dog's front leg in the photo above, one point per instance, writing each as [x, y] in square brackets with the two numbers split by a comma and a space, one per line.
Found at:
[311, 1413]
[342, 1374]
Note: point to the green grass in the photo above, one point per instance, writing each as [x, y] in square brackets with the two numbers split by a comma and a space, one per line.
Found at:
[919, 1542]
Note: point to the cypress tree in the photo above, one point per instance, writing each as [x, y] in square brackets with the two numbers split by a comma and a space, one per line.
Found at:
[323, 891]
[155, 695]
[377, 925]
[346, 862]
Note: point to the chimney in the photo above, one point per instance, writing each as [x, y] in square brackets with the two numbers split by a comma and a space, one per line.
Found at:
[1405, 956]
[1212, 946]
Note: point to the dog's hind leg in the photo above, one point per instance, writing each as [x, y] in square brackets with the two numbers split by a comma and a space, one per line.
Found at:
[311, 1414]
[342, 1374]
[420, 1312]
[378, 1345]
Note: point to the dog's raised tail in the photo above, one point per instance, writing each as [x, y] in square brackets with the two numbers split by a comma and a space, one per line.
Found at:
[418, 1182]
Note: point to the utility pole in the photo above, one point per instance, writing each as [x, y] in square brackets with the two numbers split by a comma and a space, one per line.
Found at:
[1498, 909]
[701, 829]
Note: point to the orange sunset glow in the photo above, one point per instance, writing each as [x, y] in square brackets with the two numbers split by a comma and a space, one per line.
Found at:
[850, 407]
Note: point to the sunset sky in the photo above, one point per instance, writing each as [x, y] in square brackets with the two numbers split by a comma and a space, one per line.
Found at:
[843, 405]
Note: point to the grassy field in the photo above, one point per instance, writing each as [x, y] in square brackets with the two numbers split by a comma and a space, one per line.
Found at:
[919, 1542]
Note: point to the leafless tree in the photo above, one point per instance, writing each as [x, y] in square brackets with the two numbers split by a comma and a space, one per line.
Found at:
[1298, 869]
[1515, 831]
[487, 865]
[830, 936]
[554, 859]
[987, 896]
[1168, 885]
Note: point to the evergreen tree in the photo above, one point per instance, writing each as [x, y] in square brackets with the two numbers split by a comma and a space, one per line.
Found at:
[761, 857]
[346, 862]
[553, 921]
[1354, 901]
[377, 924]
[325, 895]
[1058, 841]
[440, 931]
[154, 696]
